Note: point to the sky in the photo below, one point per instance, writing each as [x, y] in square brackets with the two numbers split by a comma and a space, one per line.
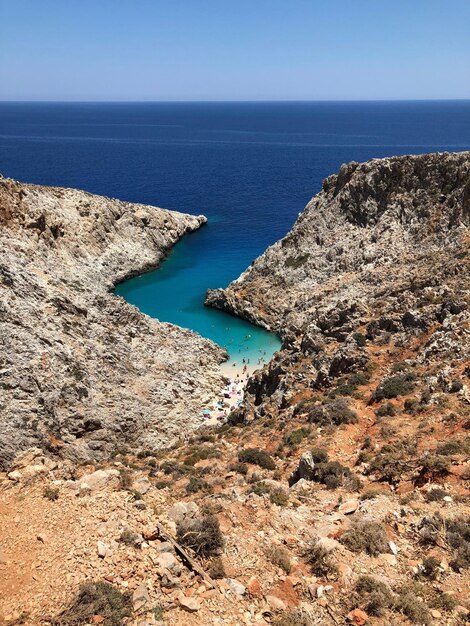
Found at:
[234, 49]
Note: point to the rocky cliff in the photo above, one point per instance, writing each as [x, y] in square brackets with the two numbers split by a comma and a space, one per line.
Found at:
[380, 254]
[81, 370]
[337, 494]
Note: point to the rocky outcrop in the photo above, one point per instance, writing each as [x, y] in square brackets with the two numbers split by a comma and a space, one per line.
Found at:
[381, 251]
[82, 371]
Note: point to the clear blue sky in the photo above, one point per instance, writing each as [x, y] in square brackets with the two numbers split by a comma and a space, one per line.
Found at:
[234, 49]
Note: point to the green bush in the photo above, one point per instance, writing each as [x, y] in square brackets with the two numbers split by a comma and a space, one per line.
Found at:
[434, 465]
[455, 531]
[435, 495]
[255, 456]
[162, 484]
[386, 410]
[429, 568]
[453, 447]
[240, 468]
[295, 437]
[410, 605]
[319, 455]
[201, 453]
[332, 413]
[260, 488]
[297, 261]
[394, 386]
[360, 339]
[196, 484]
[279, 497]
[216, 568]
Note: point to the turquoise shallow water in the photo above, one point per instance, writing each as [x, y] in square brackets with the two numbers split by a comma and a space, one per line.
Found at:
[249, 167]
[174, 293]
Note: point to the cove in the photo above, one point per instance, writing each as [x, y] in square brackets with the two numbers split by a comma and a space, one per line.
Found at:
[175, 292]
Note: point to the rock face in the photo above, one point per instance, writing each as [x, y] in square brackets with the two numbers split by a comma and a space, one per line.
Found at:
[381, 249]
[81, 370]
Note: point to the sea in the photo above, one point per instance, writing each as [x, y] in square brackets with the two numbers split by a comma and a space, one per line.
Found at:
[250, 167]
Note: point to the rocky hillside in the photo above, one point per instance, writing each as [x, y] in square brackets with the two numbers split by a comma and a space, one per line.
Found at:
[338, 493]
[81, 371]
[380, 255]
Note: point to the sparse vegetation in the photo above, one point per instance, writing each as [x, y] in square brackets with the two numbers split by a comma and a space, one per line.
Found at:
[203, 535]
[279, 557]
[319, 559]
[366, 536]
[51, 493]
[96, 598]
[394, 386]
[332, 413]
[375, 593]
[255, 456]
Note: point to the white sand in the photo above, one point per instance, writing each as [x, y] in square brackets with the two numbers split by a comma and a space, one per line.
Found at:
[232, 395]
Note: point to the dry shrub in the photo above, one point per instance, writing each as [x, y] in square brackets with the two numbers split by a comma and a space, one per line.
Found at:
[279, 557]
[97, 598]
[375, 593]
[203, 535]
[365, 536]
[319, 559]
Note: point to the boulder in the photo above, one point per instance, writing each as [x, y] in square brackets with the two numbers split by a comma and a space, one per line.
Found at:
[99, 480]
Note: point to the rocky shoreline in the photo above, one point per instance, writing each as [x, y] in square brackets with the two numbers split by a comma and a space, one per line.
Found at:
[82, 372]
[381, 250]
[338, 491]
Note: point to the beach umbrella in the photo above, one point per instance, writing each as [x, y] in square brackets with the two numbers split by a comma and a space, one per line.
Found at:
[206, 412]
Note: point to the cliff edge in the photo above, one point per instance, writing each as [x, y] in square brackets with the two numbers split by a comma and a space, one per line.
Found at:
[82, 371]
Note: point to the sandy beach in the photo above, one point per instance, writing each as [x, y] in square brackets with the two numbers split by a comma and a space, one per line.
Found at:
[237, 374]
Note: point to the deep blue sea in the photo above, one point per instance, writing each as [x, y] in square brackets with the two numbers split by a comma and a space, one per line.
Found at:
[249, 167]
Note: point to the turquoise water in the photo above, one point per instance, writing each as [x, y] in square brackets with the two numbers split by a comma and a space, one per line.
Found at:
[249, 167]
[174, 293]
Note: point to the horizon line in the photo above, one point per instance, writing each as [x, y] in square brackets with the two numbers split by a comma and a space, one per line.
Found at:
[260, 101]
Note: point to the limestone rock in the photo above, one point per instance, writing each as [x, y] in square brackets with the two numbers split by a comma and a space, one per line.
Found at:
[101, 479]
[189, 604]
[84, 372]
[236, 586]
[141, 598]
